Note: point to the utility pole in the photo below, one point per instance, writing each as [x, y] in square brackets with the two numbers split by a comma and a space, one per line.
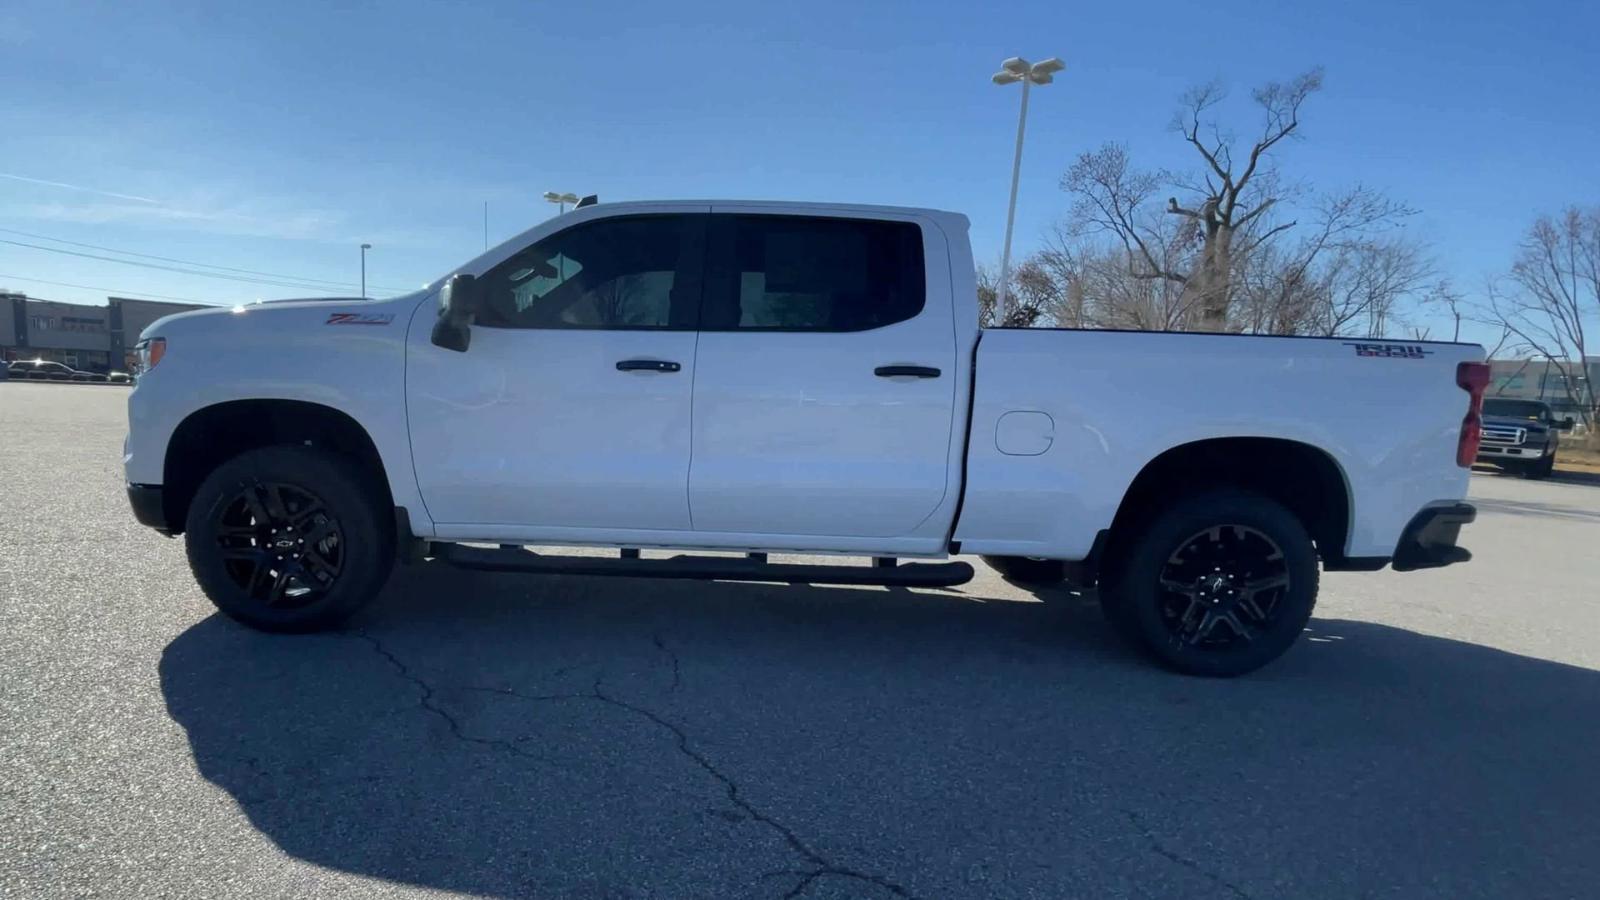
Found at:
[364, 249]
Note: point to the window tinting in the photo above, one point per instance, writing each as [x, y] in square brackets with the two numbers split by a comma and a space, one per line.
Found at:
[795, 273]
[613, 273]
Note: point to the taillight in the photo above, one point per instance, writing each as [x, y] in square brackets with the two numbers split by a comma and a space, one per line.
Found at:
[1472, 377]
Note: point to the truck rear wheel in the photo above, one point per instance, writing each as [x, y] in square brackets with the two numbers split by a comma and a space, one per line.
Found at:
[288, 539]
[1219, 584]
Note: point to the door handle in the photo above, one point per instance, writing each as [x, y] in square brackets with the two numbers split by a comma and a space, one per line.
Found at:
[913, 371]
[647, 365]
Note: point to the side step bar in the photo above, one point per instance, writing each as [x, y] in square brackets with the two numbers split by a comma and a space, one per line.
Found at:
[706, 568]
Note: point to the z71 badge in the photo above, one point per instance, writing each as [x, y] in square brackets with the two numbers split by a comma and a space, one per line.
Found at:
[360, 319]
[1391, 351]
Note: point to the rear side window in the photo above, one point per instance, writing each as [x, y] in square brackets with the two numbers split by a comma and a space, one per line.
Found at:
[798, 273]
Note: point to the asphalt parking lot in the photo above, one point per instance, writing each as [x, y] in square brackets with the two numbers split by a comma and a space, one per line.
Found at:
[1437, 734]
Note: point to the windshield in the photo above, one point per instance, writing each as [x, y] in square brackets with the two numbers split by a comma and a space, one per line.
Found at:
[1517, 409]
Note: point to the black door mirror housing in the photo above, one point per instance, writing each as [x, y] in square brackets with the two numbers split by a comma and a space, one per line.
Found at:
[458, 307]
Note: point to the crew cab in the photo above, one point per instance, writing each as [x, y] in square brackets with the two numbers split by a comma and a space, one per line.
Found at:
[1521, 436]
[781, 378]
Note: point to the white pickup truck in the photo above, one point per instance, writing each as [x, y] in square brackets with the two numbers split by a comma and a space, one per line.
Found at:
[789, 378]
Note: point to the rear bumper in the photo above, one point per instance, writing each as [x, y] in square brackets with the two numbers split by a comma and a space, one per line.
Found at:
[1430, 540]
[148, 508]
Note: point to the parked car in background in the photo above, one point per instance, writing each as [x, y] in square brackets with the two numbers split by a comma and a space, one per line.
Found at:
[1521, 436]
[41, 370]
[50, 370]
[120, 378]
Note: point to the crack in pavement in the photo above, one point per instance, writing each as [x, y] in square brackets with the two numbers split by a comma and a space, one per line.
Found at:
[1161, 850]
[821, 866]
[426, 701]
[677, 673]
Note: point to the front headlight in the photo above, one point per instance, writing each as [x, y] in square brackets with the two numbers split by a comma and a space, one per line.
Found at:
[150, 352]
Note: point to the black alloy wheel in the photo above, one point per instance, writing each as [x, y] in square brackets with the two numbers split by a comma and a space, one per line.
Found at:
[1219, 583]
[280, 545]
[1223, 587]
[290, 538]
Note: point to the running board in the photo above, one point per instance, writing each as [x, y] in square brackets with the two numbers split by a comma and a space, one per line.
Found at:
[705, 568]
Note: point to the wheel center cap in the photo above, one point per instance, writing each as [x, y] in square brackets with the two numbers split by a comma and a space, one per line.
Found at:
[283, 543]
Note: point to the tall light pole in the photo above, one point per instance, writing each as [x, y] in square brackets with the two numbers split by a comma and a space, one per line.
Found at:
[364, 249]
[562, 199]
[1012, 70]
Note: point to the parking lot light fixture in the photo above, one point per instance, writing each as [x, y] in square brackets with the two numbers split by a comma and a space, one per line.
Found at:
[562, 199]
[1011, 71]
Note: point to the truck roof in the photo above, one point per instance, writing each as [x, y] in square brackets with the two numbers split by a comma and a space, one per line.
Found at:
[790, 205]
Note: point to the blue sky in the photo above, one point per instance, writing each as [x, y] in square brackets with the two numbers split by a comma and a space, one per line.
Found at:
[278, 136]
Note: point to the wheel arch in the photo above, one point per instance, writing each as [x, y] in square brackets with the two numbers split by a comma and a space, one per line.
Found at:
[1305, 479]
[214, 434]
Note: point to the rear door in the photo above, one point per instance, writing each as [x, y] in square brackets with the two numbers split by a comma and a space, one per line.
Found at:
[825, 377]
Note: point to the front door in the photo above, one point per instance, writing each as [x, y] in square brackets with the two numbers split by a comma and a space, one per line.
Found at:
[825, 383]
[570, 409]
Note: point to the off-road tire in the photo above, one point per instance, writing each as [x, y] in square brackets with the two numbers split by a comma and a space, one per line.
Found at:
[289, 538]
[1250, 541]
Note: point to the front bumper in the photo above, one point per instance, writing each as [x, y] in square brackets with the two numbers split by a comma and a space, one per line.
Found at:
[148, 506]
[1430, 540]
[1492, 452]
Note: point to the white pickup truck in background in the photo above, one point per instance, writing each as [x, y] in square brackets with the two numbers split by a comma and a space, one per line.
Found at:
[790, 378]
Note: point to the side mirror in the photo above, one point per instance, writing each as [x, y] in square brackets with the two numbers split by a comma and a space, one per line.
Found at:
[458, 307]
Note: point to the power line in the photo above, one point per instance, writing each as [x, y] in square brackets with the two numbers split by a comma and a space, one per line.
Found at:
[128, 262]
[117, 292]
[190, 262]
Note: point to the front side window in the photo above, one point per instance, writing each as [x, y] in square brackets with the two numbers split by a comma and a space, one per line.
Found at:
[622, 273]
[800, 273]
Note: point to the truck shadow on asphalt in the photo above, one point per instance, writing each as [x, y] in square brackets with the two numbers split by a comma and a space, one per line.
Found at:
[511, 736]
[1559, 476]
[1530, 508]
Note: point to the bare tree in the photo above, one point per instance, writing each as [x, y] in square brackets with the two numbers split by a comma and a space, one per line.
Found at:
[1551, 296]
[1222, 260]
[1025, 295]
[1351, 271]
[1229, 198]
[1443, 293]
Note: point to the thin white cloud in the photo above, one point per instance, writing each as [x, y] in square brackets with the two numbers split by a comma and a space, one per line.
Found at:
[304, 225]
[77, 187]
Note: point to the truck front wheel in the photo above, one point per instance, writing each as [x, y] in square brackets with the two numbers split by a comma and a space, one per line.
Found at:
[288, 539]
[1543, 468]
[1219, 584]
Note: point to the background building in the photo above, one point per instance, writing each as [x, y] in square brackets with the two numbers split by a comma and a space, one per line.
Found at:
[92, 338]
[1528, 379]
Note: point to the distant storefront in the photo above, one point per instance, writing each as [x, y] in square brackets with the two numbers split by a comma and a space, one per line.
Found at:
[1527, 379]
[93, 338]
